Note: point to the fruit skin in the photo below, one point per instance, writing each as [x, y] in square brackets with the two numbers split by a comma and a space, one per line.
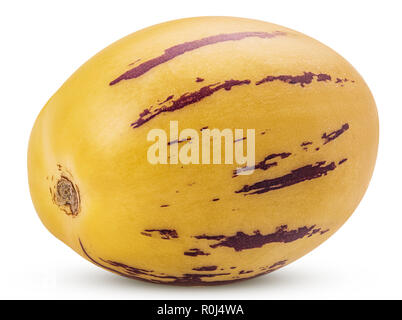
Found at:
[163, 223]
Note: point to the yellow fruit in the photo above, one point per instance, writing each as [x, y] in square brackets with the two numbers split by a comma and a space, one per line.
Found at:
[316, 136]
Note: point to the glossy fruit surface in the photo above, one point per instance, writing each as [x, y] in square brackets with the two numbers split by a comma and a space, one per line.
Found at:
[316, 137]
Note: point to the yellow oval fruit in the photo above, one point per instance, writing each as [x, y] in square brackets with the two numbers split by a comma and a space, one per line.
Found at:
[97, 188]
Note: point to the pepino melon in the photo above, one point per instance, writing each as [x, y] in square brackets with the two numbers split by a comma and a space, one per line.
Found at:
[203, 151]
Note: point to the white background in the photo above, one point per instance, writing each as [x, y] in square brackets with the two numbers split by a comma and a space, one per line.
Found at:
[43, 42]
